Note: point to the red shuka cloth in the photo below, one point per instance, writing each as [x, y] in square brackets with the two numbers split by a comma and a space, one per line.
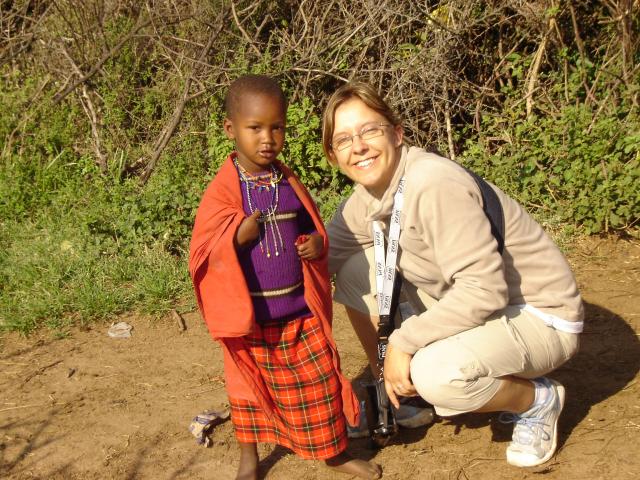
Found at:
[223, 296]
[293, 361]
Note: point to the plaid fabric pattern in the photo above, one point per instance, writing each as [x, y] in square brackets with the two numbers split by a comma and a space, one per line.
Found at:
[295, 363]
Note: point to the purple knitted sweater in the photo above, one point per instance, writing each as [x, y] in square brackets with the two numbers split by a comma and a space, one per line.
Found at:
[275, 281]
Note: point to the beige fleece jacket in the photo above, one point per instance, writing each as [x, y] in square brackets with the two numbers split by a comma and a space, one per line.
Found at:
[448, 251]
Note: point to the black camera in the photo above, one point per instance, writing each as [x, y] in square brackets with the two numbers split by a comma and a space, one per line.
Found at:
[381, 420]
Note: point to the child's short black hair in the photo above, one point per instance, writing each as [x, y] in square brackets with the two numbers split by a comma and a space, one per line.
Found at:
[251, 85]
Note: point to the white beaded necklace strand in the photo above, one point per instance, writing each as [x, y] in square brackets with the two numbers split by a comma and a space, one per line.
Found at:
[268, 216]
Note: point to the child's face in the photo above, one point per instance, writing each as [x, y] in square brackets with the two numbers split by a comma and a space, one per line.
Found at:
[258, 128]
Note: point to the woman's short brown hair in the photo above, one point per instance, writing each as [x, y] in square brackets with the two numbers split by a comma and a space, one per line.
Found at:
[363, 91]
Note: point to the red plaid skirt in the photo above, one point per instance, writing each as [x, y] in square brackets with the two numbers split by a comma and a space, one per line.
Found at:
[296, 365]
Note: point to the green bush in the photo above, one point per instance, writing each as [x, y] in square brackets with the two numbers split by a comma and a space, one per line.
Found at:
[579, 165]
[79, 244]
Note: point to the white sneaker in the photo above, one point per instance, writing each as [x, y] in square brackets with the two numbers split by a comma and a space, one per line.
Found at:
[535, 433]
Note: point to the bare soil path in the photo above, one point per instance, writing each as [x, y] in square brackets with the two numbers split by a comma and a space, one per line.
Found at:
[93, 407]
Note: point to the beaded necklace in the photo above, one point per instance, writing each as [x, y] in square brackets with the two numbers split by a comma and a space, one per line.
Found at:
[267, 217]
[263, 181]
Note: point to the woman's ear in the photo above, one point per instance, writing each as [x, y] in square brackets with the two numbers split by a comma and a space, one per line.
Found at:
[227, 126]
[399, 135]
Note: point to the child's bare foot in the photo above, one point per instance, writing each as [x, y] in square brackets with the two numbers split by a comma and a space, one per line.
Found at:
[248, 468]
[343, 462]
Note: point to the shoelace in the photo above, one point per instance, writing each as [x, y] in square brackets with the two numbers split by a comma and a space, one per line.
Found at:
[529, 424]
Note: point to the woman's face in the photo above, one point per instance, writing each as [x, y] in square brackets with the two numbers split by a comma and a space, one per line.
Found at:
[370, 162]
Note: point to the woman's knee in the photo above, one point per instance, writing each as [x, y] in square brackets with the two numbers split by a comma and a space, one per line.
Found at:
[355, 285]
[444, 375]
[431, 372]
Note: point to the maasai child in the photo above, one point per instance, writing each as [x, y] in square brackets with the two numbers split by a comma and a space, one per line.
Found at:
[258, 260]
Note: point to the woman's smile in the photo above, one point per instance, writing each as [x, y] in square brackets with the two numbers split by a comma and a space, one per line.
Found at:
[366, 163]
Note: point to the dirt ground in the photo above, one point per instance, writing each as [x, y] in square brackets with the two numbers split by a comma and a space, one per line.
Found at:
[93, 407]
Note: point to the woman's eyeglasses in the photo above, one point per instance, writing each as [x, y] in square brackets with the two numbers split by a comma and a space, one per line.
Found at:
[367, 133]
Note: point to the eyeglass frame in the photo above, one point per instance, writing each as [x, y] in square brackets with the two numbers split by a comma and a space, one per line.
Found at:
[362, 132]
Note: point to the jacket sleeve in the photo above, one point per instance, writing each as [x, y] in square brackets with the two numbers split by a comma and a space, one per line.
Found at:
[448, 208]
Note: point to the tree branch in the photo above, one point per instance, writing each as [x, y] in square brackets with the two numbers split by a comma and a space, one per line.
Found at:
[87, 106]
[242, 30]
[58, 97]
[170, 128]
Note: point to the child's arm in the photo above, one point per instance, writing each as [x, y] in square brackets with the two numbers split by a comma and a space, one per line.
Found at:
[248, 230]
[310, 246]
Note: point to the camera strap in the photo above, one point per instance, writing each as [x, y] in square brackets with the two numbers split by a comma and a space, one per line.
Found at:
[387, 289]
[386, 264]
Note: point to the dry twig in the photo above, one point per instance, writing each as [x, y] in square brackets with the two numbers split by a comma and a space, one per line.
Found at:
[179, 320]
[167, 132]
[123, 41]
[90, 111]
[40, 371]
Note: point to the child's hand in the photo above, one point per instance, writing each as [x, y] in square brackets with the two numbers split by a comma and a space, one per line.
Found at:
[248, 230]
[310, 246]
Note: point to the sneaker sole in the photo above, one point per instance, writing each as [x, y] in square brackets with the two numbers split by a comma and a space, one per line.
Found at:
[554, 444]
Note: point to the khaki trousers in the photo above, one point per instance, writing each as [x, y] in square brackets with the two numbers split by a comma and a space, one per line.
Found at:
[462, 373]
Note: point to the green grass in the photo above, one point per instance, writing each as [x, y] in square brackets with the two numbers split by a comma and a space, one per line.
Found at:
[52, 275]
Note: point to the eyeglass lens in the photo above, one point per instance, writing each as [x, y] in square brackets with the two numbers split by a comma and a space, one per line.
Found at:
[366, 134]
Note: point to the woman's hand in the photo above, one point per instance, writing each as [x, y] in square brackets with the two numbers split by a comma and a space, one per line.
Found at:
[397, 375]
[310, 246]
[248, 230]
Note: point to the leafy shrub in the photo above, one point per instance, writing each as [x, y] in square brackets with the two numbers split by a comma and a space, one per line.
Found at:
[78, 243]
[578, 164]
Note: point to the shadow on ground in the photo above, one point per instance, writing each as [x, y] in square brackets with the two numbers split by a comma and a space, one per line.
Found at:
[608, 359]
